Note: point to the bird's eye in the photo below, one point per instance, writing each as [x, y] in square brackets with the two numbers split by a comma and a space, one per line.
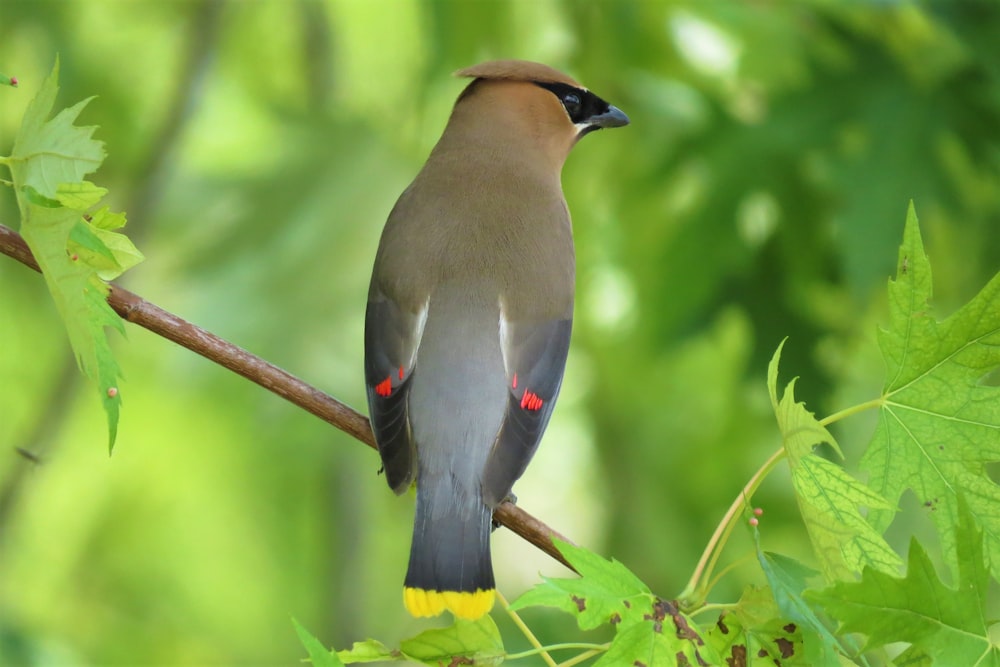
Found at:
[572, 103]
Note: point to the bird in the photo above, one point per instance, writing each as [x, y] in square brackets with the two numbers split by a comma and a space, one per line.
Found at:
[468, 319]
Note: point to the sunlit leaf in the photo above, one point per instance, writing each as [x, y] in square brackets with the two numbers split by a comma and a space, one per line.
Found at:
[789, 580]
[48, 163]
[940, 424]
[109, 253]
[477, 640]
[755, 632]
[48, 153]
[319, 656]
[605, 592]
[828, 497]
[643, 643]
[79, 196]
[370, 650]
[944, 625]
[664, 636]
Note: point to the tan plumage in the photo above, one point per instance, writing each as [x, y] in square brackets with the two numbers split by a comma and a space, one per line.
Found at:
[469, 315]
[517, 70]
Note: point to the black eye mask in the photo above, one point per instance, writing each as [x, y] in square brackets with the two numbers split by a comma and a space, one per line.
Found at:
[580, 104]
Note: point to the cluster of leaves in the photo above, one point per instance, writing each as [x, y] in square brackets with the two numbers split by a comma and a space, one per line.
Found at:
[648, 630]
[73, 241]
[938, 429]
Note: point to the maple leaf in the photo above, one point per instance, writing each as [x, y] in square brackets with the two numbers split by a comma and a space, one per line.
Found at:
[828, 497]
[943, 625]
[754, 632]
[74, 249]
[605, 592]
[939, 424]
[319, 656]
[648, 630]
[464, 642]
[370, 650]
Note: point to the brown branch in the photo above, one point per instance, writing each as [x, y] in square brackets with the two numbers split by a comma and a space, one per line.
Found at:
[137, 310]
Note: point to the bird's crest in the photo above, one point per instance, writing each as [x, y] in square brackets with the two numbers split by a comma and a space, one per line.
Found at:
[517, 70]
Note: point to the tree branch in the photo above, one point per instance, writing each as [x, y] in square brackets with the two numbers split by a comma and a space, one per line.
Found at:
[137, 310]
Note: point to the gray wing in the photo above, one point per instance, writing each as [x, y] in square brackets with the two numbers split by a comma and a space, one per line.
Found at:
[535, 358]
[392, 337]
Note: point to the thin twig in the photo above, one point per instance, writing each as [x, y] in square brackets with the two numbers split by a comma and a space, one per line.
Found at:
[137, 310]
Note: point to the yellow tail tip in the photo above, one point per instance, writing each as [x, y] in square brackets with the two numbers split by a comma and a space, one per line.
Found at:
[463, 604]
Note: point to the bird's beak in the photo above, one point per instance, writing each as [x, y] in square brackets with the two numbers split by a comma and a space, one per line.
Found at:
[613, 117]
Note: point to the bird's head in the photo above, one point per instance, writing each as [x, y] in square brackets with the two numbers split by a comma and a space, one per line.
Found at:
[534, 102]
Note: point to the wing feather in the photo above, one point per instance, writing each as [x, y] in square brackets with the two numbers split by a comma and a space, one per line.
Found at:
[535, 358]
[392, 337]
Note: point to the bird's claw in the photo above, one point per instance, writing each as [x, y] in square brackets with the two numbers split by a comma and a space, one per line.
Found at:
[512, 499]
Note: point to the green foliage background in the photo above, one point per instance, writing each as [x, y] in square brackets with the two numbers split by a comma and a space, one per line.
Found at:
[257, 148]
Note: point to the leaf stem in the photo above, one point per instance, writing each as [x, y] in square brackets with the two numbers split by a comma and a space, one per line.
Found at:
[591, 649]
[715, 606]
[694, 594]
[526, 631]
[726, 570]
[853, 410]
[586, 655]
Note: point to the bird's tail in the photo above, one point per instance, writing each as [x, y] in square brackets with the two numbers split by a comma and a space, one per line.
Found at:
[450, 566]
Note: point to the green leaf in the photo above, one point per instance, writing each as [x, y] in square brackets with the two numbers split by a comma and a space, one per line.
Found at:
[789, 580]
[939, 424]
[49, 160]
[605, 592]
[81, 299]
[945, 626]
[828, 497]
[122, 249]
[754, 632]
[641, 644]
[109, 253]
[84, 246]
[48, 153]
[319, 656]
[104, 219]
[648, 630]
[370, 650]
[477, 640]
[79, 196]
[38, 199]
[665, 636]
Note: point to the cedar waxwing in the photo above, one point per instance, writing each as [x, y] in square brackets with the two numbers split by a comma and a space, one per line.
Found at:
[469, 316]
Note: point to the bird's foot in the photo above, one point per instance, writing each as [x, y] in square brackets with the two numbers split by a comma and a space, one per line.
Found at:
[512, 499]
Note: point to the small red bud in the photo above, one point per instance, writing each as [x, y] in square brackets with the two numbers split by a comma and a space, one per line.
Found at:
[74, 257]
[13, 81]
[757, 511]
[112, 392]
[754, 522]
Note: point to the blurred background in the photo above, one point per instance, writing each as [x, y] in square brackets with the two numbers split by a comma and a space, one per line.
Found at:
[258, 146]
